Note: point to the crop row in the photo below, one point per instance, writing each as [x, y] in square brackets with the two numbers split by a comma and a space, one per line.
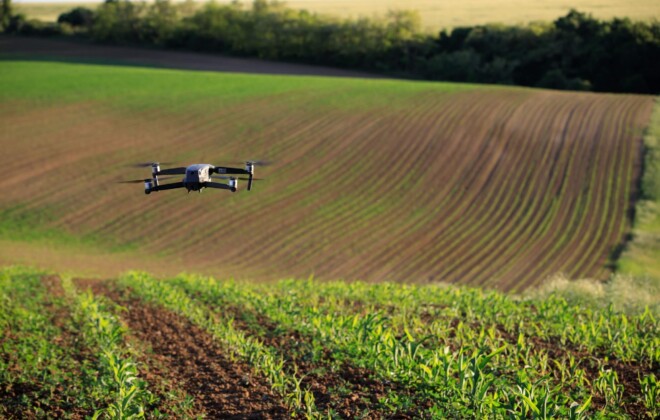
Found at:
[448, 365]
[328, 349]
[65, 353]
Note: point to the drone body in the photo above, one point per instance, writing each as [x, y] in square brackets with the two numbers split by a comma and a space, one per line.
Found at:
[199, 176]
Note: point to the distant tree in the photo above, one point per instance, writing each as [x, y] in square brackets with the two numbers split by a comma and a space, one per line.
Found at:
[78, 17]
[576, 51]
[555, 79]
[6, 14]
[159, 23]
[403, 25]
[457, 66]
[117, 21]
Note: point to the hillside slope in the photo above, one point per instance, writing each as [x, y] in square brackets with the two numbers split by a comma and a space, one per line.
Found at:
[373, 179]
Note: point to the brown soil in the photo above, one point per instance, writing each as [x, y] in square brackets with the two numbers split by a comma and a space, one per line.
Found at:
[194, 362]
[49, 49]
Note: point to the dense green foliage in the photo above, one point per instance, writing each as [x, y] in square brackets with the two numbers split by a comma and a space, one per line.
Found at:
[5, 14]
[575, 52]
[80, 16]
[438, 351]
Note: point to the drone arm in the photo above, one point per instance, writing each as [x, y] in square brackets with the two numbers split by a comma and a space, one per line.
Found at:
[231, 171]
[172, 171]
[219, 186]
[168, 186]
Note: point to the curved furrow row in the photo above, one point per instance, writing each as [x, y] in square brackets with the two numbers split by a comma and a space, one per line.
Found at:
[564, 227]
[413, 200]
[616, 182]
[419, 238]
[300, 236]
[464, 210]
[374, 181]
[385, 227]
[598, 229]
[593, 213]
[397, 226]
[536, 227]
[502, 248]
[523, 200]
[265, 240]
[427, 197]
[626, 186]
[496, 208]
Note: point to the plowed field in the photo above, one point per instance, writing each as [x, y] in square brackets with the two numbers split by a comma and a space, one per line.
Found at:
[192, 346]
[372, 179]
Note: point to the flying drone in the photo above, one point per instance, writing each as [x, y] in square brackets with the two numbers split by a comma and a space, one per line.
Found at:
[198, 176]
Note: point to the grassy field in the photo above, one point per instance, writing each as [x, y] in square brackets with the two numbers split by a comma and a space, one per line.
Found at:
[373, 179]
[435, 14]
[191, 346]
[642, 257]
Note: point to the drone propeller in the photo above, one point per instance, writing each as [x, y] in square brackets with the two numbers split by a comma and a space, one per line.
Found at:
[242, 178]
[260, 162]
[148, 164]
[253, 162]
[139, 181]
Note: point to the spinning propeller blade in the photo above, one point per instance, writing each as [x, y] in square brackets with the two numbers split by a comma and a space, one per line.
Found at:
[242, 178]
[254, 162]
[139, 181]
[148, 164]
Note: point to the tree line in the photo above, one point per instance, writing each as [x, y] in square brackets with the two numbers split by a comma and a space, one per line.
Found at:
[575, 52]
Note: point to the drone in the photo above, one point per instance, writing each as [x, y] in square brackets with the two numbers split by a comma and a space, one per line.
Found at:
[198, 176]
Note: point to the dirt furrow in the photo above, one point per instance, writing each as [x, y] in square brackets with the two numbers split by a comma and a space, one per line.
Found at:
[497, 213]
[195, 362]
[498, 244]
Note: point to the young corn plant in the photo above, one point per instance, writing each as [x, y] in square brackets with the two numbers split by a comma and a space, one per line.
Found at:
[651, 393]
[127, 395]
[462, 376]
[32, 355]
[607, 384]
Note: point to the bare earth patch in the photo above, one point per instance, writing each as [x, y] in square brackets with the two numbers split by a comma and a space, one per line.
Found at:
[92, 53]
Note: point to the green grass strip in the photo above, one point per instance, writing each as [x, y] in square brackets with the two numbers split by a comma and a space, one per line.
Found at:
[642, 256]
